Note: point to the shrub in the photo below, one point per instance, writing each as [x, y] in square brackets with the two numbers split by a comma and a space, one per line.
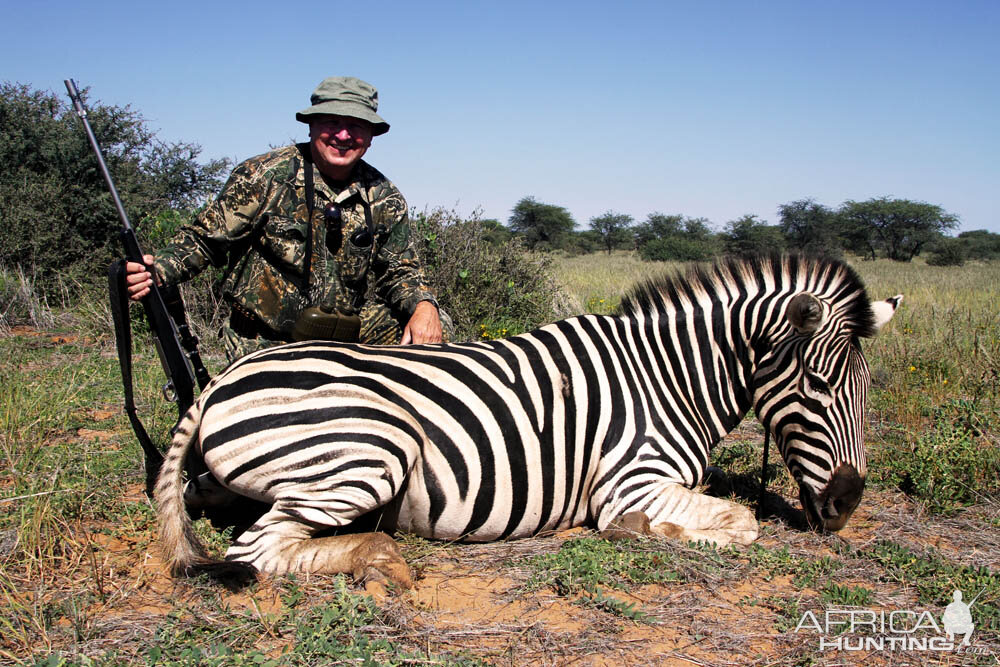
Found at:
[748, 236]
[678, 248]
[56, 215]
[981, 244]
[493, 289]
[946, 466]
[948, 252]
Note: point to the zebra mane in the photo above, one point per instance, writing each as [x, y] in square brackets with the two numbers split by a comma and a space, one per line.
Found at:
[828, 277]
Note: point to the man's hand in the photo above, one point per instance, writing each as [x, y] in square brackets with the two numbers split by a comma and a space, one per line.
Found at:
[139, 278]
[424, 325]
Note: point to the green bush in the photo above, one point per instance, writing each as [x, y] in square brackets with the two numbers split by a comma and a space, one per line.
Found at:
[948, 252]
[947, 466]
[678, 248]
[57, 220]
[490, 290]
[579, 243]
[981, 244]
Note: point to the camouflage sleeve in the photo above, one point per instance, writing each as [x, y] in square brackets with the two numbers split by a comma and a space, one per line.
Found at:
[399, 277]
[227, 220]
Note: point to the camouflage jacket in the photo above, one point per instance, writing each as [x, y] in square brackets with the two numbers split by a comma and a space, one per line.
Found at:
[278, 262]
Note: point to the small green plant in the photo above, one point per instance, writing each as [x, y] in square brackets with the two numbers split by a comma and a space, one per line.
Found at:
[498, 330]
[847, 596]
[936, 578]
[947, 467]
[612, 605]
[584, 567]
[812, 570]
[772, 561]
[588, 563]
[600, 306]
[789, 611]
[806, 572]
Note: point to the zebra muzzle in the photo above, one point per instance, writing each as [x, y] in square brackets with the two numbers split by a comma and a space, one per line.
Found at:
[829, 510]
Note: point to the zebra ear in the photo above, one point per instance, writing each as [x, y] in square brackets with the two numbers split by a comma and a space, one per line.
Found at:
[884, 310]
[804, 313]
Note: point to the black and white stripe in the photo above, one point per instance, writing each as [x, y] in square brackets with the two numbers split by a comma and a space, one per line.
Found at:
[578, 422]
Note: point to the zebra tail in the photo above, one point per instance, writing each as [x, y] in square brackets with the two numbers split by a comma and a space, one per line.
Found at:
[181, 546]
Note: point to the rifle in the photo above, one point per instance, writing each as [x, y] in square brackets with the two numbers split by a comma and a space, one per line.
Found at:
[176, 346]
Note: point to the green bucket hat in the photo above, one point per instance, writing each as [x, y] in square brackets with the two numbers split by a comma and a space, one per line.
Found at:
[345, 96]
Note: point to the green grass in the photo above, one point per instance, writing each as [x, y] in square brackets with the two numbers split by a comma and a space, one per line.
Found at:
[598, 281]
[583, 568]
[590, 563]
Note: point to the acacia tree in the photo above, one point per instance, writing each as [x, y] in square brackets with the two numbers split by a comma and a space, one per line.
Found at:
[898, 227]
[809, 226]
[675, 237]
[612, 228]
[56, 215]
[542, 225]
[748, 235]
[657, 226]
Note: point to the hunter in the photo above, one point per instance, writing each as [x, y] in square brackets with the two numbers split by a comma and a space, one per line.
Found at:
[316, 243]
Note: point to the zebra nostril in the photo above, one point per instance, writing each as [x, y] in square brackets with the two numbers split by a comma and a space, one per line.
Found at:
[841, 496]
[830, 509]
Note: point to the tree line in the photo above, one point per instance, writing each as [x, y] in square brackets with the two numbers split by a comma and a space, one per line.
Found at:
[898, 229]
[58, 224]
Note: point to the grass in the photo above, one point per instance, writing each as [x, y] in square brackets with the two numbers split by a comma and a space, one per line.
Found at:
[598, 281]
[80, 583]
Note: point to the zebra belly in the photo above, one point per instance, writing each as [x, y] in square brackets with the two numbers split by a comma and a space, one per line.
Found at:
[454, 523]
[486, 445]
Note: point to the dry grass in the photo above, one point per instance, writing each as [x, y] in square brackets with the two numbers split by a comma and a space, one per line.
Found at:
[81, 581]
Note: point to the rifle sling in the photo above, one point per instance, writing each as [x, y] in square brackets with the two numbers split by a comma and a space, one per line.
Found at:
[123, 342]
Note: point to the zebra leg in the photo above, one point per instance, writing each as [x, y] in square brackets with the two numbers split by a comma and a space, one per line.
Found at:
[281, 541]
[673, 510]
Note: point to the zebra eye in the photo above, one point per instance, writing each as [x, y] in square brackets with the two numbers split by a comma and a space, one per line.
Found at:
[818, 384]
[816, 388]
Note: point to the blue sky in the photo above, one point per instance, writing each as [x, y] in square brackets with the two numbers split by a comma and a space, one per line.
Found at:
[710, 109]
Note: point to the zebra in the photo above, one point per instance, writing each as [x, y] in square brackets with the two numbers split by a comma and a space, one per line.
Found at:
[594, 420]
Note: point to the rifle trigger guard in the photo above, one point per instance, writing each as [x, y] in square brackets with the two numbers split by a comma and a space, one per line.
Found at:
[169, 393]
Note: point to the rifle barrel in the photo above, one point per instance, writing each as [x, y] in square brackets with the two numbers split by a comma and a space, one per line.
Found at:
[81, 111]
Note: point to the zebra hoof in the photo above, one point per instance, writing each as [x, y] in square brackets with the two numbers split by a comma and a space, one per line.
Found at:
[378, 559]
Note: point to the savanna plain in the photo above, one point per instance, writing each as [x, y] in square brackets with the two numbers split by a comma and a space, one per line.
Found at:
[82, 582]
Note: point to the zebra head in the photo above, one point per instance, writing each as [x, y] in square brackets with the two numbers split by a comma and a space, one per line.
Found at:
[810, 394]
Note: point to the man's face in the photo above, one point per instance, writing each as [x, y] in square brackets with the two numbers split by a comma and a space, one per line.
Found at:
[338, 142]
